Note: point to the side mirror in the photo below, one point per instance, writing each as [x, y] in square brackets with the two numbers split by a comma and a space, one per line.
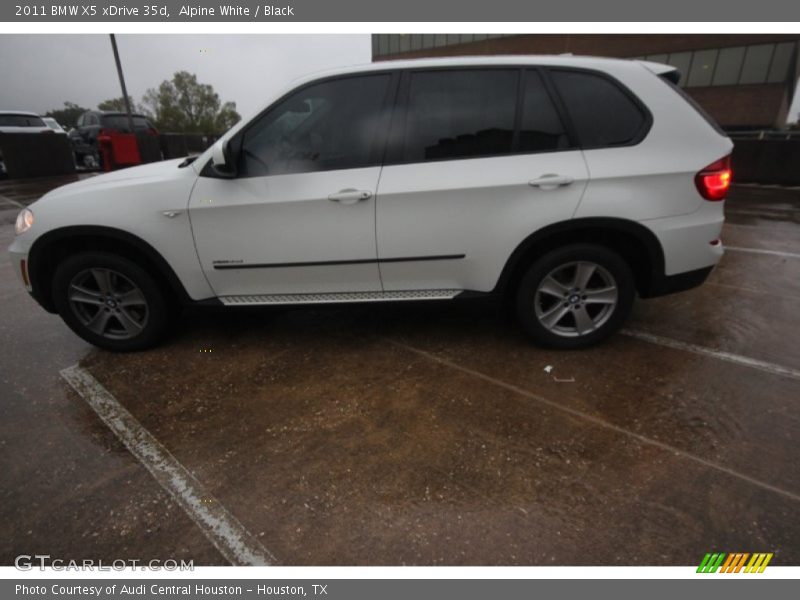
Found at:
[222, 164]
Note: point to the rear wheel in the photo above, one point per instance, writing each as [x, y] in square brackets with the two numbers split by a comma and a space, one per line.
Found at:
[110, 301]
[575, 296]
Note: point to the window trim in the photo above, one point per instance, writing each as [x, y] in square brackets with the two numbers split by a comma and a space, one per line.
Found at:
[394, 153]
[387, 147]
[378, 149]
[644, 129]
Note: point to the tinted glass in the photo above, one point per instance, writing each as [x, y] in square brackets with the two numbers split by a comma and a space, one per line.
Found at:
[330, 125]
[20, 121]
[603, 114]
[120, 122]
[756, 63]
[541, 129]
[779, 69]
[729, 64]
[458, 114]
[703, 63]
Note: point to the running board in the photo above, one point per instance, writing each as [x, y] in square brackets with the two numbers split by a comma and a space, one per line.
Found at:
[338, 297]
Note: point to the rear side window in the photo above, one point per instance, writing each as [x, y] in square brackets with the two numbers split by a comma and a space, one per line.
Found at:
[541, 128]
[120, 122]
[601, 111]
[20, 121]
[460, 114]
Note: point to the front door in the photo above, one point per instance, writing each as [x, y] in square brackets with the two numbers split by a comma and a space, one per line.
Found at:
[299, 217]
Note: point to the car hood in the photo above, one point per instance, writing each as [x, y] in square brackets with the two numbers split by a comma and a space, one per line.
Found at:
[156, 170]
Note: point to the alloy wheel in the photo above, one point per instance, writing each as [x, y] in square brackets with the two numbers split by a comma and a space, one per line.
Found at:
[575, 299]
[108, 304]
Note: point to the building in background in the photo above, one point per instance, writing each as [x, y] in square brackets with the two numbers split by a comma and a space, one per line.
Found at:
[744, 81]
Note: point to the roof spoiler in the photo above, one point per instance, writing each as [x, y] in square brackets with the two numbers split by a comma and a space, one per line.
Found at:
[668, 72]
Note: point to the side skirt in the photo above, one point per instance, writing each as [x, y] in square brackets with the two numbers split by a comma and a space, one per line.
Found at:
[339, 297]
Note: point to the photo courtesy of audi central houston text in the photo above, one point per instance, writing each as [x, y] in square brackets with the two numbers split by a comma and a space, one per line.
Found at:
[400, 299]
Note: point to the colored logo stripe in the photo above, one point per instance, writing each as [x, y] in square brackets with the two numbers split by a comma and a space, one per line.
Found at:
[758, 563]
[711, 563]
[734, 562]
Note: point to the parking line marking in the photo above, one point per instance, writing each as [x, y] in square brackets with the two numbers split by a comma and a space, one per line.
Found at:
[730, 357]
[596, 420]
[760, 251]
[221, 528]
[751, 290]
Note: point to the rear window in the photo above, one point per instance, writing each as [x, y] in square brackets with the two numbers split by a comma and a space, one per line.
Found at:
[120, 122]
[541, 128]
[21, 121]
[603, 113]
[460, 114]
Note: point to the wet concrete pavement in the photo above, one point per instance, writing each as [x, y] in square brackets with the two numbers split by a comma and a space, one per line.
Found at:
[426, 434]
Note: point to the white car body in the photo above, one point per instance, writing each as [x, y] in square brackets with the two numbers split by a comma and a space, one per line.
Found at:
[462, 218]
[22, 129]
[54, 125]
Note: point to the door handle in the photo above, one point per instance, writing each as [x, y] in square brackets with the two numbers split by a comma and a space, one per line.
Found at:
[350, 196]
[550, 181]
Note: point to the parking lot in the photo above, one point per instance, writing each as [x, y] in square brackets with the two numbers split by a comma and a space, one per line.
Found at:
[424, 433]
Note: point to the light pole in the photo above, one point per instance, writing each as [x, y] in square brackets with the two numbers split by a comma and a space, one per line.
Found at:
[122, 83]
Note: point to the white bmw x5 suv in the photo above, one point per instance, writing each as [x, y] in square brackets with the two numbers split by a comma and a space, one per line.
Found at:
[568, 184]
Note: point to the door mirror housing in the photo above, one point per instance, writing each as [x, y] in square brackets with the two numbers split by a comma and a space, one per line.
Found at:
[222, 163]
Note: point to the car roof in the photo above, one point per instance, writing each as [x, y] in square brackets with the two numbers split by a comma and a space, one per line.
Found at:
[116, 113]
[516, 60]
[20, 113]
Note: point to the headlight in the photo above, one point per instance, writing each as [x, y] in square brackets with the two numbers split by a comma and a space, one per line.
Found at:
[24, 221]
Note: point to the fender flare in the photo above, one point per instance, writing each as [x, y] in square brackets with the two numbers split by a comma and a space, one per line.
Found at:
[592, 226]
[38, 255]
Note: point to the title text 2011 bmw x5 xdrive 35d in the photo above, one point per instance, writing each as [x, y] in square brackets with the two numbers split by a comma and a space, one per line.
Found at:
[570, 184]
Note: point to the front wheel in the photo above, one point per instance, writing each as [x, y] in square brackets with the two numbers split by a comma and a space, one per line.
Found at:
[110, 301]
[575, 296]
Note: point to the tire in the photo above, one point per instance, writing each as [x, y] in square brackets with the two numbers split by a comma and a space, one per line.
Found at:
[575, 296]
[111, 302]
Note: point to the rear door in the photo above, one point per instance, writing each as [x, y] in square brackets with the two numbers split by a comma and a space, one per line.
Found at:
[480, 159]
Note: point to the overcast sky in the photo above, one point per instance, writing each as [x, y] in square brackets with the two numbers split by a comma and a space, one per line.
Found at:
[40, 72]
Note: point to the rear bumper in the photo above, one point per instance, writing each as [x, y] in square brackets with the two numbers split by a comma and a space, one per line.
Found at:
[661, 285]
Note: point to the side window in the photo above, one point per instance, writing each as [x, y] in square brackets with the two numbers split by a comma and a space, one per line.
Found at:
[325, 126]
[459, 114]
[80, 120]
[93, 120]
[603, 114]
[541, 129]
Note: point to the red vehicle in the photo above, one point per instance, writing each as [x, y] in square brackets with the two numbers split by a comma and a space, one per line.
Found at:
[96, 127]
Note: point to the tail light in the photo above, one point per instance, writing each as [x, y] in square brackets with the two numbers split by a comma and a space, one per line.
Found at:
[714, 181]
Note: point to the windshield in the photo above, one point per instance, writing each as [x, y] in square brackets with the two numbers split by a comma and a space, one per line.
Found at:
[21, 121]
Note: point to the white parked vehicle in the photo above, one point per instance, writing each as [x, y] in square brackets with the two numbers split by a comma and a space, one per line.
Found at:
[54, 125]
[570, 184]
[19, 121]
